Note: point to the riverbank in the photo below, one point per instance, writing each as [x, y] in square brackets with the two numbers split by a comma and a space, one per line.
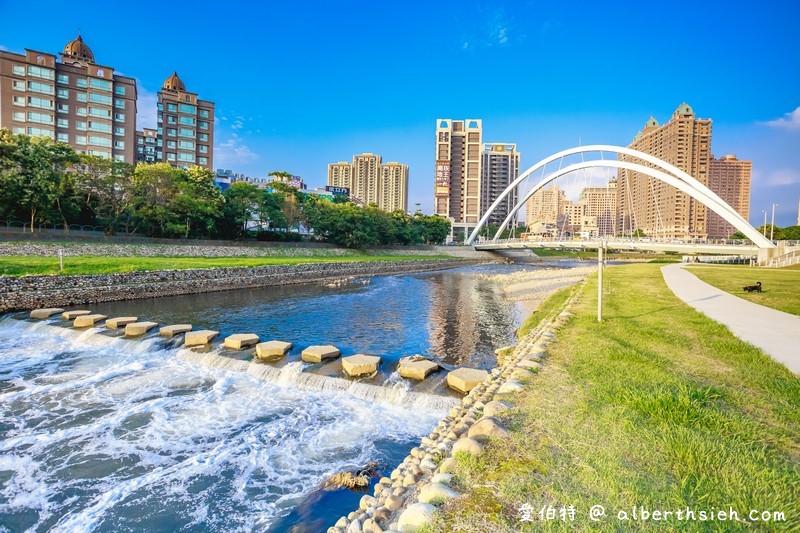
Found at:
[656, 407]
[30, 292]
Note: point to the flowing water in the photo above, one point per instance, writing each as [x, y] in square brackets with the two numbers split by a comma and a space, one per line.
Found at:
[104, 433]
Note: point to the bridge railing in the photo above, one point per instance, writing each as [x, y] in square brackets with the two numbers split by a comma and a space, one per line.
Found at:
[566, 241]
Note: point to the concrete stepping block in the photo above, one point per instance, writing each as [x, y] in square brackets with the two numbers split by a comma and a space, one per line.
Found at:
[418, 370]
[85, 321]
[240, 341]
[137, 329]
[199, 338]
[175, 329]
[45, 313]
[360, 365]
[272, 350]
[317, 354]
[464, 380]
[72, 315]
[118, 322]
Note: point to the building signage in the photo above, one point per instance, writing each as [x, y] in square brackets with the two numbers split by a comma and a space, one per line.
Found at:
[338, 190]
[442, 179]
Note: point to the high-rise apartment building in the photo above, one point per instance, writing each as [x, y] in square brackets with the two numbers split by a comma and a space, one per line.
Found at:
[75, 100]
[652, 206]
[546, 206]
[147, 145]
[499, 167]
[370, 181]
[394, 187]
[457, 188]
[185, 126]
[601, 203]
[730, 179]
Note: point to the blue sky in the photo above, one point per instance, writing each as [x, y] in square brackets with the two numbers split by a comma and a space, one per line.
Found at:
[299, 85]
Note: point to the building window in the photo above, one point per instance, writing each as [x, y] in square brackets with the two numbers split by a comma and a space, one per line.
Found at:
[158, 155]
[204, 113]
[188, 109]
[118, 102]
[100, 99]
[172, 107]
[80, 125]
[203, 125]
[82, 97]
[37, 87]
[62, 123]
[19, 100]
[39, 72]
[172, 144]
[186, 145]
[19, 131]
[103, 85]
[119, 117]
[202, 137]
[183, 132]
[202, 148]
[99, 141]
[62, 137]
[99, 113]
[171, 132]
[62, 93]
[39, 118]
[119, 130]
[81, 111]
[63, 79]
[81, 82]
[99, 126]
[18, 85]
[160, 106]
[119, 157]
[202, 160]
[159, 130]
[119, 145]
[170, 156]
[100, 153]
[186, 158]
[171, 119]
[18, 70]
[41, 103]
[120, 90]
[187, 121]
[41, 131]
[19, 116]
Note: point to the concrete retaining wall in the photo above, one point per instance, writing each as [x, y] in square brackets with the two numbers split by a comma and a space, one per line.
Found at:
[31, 292]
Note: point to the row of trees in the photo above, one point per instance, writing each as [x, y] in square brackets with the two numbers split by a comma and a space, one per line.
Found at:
[48, 183]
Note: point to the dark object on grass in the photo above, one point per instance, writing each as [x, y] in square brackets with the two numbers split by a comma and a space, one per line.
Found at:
[352, 480]
[753, 288]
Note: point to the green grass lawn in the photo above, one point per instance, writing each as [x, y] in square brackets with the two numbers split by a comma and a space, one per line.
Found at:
[780, 287]
[615, 256]
[657, 406]
[22, 265]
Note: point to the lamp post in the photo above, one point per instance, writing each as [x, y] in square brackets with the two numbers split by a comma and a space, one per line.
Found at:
[772, 225]
[764, 227]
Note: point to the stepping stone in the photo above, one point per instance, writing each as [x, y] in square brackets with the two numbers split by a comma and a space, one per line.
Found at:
[360, 365]
[239, 341]
[416, 369]
[317, 354]
[45, 313]
[464, 380]
[137, 329]
[120, 321]
[85, 321]
[271, 350]
[72, 315]
[199, 338]
[171, 331]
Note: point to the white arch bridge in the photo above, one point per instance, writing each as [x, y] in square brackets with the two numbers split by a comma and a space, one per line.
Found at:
[660, 170]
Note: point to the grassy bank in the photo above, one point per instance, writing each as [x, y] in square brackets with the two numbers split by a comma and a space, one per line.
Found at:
[592, 255]
[658, 406]
[781, 287]
[22, 265]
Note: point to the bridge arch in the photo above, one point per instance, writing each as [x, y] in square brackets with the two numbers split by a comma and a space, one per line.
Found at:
[673, 176]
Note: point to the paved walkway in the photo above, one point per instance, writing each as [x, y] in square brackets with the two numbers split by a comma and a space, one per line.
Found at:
[775, 332]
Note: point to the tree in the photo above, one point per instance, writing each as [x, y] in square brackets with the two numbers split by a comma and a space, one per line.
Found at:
[107, 190]
[155, 188]
[242, 201]
[196, 204]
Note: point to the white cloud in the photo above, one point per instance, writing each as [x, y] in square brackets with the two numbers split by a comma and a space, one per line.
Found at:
[232, 153]
[783, 176]
[146, 108]
[502, 35]
[3, 48]
[789, 121]
[237, 124]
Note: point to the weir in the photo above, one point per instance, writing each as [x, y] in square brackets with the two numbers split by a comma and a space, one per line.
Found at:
[291, 374]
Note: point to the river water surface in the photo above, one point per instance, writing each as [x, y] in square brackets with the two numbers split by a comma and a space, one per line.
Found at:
[108, 434]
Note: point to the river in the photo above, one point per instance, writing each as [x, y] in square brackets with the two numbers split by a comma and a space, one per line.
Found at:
[104, 433]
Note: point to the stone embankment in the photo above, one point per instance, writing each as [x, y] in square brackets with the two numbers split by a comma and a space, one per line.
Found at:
[408, 499]
[228, 250]
[31, 292]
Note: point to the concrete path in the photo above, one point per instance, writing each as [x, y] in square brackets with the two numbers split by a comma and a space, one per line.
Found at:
[775, 332]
